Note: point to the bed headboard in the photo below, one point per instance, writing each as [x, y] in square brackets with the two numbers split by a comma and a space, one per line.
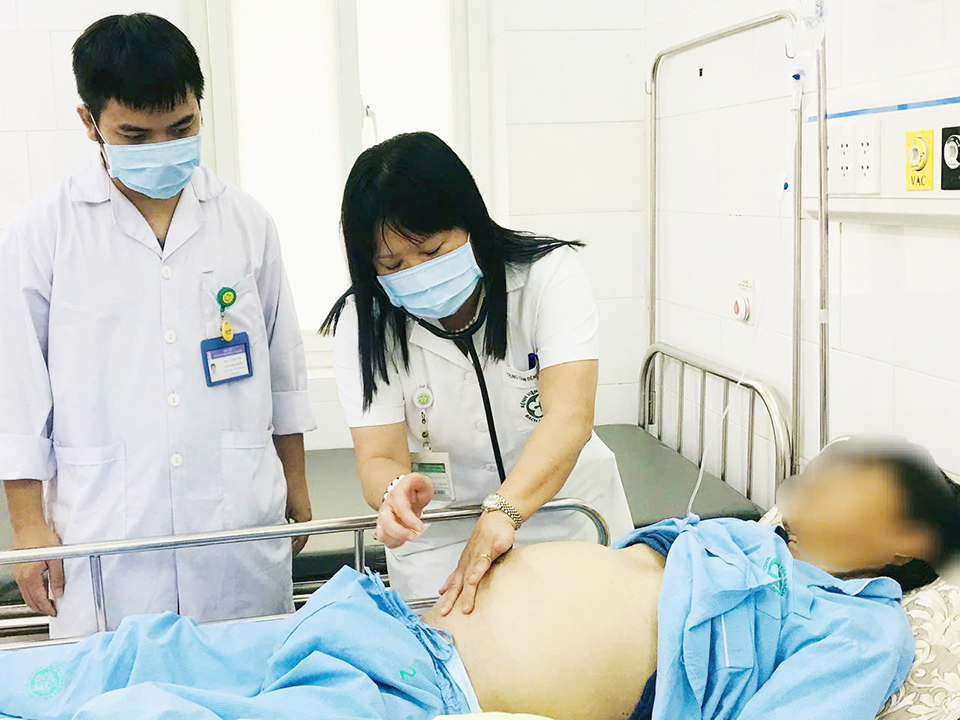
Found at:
[657, 364]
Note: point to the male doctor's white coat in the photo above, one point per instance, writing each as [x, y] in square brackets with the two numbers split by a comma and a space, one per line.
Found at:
[103, 393]
[551, 313]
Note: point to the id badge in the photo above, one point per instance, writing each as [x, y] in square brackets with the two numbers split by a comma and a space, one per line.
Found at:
[436, 466]
[224, 361]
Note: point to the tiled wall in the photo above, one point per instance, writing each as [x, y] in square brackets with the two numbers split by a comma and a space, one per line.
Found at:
[895, 295]
[567, 87]
[41, 138]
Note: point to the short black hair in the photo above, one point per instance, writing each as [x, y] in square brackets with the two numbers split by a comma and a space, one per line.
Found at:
[932, 498]
[142, 61]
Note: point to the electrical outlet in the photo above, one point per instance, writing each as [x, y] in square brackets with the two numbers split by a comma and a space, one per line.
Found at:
[844, 160]
[950, 158]
[867, 150]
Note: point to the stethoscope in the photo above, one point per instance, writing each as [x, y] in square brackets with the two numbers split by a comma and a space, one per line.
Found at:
[464, 341]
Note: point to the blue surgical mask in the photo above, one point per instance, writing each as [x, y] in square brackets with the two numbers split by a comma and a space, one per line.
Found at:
[158, 170]
[437, 288]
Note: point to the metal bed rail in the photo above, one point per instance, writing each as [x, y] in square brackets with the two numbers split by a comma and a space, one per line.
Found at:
[358, 525]
[763, 21]
[651, 406]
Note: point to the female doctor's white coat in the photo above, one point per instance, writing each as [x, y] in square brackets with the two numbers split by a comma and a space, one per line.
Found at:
[103, 393]
[550, 312]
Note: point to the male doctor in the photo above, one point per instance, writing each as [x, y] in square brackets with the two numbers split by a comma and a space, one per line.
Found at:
[120, 290]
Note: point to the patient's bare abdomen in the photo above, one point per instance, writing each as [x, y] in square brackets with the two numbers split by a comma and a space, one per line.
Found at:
[565, 630]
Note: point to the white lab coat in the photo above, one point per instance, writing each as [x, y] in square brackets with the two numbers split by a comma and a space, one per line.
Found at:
[103, 394]
[551, 312]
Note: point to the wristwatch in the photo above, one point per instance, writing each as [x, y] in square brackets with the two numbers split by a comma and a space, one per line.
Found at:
[496, 501]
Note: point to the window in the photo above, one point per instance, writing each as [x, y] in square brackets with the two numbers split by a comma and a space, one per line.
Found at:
[292, 118]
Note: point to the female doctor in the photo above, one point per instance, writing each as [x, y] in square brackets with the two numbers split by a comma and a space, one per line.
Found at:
[466, 362]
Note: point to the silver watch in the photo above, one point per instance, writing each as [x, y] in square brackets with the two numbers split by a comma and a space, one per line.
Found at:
[496, 501]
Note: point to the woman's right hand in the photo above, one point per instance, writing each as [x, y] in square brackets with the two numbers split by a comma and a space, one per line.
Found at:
[398, 520]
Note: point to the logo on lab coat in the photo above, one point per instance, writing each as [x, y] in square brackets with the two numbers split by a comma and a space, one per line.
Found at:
[531, 406]
[44, 683]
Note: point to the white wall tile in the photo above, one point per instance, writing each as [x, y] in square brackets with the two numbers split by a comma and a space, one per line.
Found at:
[594, 167]
[927, 303]
[14, 174]
[8, 15]
[861, 396]
[687, 329]
[755, 158]
[64, 84]
[28, 89]
[500, 202]
[615, 246]
[688, 163]
[617, 404]
[73, 15]
[926, 410]
[582, 76]
[56, 155]
[323, 389]
[870, 265]
[574, 15]
[622, 340]
[765, 355]
[661, 11]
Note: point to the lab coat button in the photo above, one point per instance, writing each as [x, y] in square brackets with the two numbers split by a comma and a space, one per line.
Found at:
[170, 337]
[176, 460]
[470, 377]
[166, 272]
[490, 467]
[482, 426]
[173, 400]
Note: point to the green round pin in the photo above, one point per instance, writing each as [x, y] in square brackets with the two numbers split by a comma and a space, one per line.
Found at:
[226, 297]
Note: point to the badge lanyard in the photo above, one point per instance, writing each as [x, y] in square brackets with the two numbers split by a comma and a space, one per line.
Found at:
[434, 465]
[226, 358]
[464, 341]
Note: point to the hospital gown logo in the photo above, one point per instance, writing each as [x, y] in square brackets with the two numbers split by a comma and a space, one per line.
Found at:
[531, 406]
[777, 572]
[44, 683]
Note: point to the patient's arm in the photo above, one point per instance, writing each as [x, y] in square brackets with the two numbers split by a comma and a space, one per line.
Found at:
[833, 678]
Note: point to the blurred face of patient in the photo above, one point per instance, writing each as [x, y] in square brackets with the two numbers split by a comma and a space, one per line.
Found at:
[851, 518]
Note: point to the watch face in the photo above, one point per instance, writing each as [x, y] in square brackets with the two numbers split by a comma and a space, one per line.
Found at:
[489, 503]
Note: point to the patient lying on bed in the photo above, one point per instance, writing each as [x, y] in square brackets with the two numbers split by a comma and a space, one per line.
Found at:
[715, 619]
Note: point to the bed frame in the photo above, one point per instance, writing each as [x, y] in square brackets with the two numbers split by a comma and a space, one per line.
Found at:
[14, 625]
[652, 393]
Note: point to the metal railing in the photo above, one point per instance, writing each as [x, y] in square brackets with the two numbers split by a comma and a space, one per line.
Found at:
[783, 448]
[357, 525]
[770, 19]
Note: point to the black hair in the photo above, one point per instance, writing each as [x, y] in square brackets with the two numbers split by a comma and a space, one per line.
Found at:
[932, 498]
[142, 61]
[415, 185]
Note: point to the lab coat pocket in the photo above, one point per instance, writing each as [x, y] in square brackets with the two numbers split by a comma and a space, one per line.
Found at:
[246, 313]
[254, 489]
[88, 500]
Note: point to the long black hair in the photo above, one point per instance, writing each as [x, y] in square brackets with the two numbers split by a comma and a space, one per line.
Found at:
[415, 185]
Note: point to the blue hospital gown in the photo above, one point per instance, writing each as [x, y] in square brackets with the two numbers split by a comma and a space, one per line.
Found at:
[355, 651]
[748, 633]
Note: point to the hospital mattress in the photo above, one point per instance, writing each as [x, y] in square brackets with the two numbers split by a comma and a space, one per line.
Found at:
[657, 481]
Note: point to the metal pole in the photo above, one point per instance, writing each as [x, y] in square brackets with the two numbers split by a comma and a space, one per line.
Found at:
[797, 398]
[824, 255]
[99, 601]
[359, 551]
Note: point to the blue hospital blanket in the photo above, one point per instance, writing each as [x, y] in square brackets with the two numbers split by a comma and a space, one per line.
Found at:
[748, 633]
[355, 651]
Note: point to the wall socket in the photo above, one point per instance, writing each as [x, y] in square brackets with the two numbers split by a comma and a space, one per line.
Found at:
[867, 155]
[841, 167]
